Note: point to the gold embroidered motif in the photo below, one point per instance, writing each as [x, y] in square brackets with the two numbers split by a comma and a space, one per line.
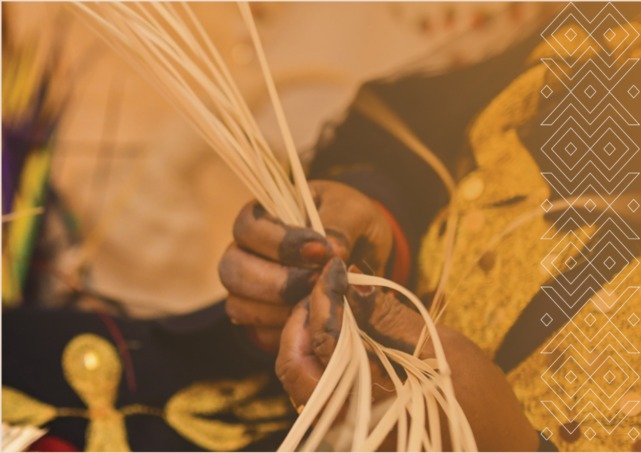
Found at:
[186, 411]
[92, 368]
[20, 409]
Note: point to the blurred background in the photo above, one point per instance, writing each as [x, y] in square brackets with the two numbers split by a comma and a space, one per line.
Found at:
[136, 209]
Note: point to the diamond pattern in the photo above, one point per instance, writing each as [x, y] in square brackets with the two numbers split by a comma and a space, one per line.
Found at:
[546, 205]
[609, 35]
[590, 205]
[546, 91]
[609, 377]
[570, 377]
[565, 42]
[609, 262]
[590, 433]
[570, 263]
[590, 319]
[609, 148]
[590, 148]
[590, 91]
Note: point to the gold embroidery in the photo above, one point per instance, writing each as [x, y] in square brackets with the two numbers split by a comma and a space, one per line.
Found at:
[107, 432]
[531, 390]
[92, 368]
[186, 409]
[221, 436]
[263, 409]
[20, 409]
[210, 398]
[486, 293]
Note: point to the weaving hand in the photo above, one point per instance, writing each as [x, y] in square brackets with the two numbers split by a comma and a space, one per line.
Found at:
[271, 266]
[311, 333]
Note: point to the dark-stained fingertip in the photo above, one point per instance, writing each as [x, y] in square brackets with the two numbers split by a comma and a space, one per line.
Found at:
[303, 247]
[300, 282]
[335, 276]
[314, 252]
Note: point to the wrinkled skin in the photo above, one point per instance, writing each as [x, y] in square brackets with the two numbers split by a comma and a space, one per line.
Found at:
[289, 285]
[270, 266]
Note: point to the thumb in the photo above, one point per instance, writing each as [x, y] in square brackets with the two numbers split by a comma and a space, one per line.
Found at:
[384, 317]
[326, 309]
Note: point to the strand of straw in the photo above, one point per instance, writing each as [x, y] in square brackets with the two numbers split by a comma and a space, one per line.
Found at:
[311, 211]
[228, 126]
[374, 109]
[297, 168]
[182, 95]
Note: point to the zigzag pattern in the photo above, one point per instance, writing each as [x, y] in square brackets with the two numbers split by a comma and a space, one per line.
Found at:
[590, 150]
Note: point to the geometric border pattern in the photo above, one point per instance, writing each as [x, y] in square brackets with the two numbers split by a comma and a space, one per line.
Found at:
[591, 149]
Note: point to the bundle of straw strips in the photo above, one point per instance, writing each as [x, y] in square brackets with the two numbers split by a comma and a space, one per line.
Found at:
[168, 45]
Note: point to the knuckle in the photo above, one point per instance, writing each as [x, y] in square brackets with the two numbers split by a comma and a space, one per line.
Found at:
[323, 343]
[235, 312]
[388, 313]
[225, 269]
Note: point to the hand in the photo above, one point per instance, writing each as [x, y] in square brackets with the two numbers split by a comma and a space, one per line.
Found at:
[311, 333]
[271, 266]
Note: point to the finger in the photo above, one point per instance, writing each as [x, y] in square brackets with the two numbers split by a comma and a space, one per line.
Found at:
[343, 225]
[297, 367]
[354, 225]
[251, 277]
[246, 312]
[257, 231]
[384, 317]
[326, 309]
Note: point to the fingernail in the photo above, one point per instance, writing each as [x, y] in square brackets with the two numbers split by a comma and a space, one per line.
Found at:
[362, 290]
[314, 252]
[258, 211]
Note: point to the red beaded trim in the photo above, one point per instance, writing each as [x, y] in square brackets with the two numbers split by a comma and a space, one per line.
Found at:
[402, 254]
